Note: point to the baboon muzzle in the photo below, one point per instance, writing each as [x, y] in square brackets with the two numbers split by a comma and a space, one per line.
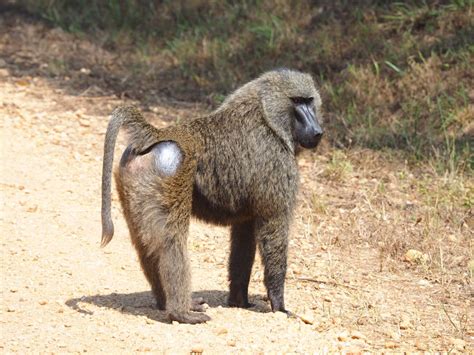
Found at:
[308, 130]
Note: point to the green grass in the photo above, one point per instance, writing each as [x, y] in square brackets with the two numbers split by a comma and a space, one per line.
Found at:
[393, 75]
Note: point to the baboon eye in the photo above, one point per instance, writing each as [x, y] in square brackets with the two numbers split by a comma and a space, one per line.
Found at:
[298, 100]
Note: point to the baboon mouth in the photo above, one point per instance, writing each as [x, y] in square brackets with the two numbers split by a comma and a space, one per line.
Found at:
[311, 143]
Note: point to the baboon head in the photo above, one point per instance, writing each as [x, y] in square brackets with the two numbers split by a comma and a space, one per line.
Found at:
[291, 105]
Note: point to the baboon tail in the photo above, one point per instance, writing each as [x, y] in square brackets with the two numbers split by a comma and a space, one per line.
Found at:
[141, 137]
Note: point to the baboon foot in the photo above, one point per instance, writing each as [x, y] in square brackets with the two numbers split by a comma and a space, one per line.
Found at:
[197, 304]
[189, 317]
[289, 314]
[160, 305]
[239, 303]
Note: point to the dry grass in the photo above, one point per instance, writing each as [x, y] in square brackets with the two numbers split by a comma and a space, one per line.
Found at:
[393, 74]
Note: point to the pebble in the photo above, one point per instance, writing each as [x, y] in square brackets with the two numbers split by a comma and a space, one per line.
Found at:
[222, 331]
[404, 325]
[459, 344]
[43, 302]
[416, 256]
[307, 318]
[84, 122]
[470, 267]
[394, 335]
[405, 322]
[424, 282]
[197, 349]
[231, 342]
[452, 238]
[357, 335]
[421, 346]
[343, 336]
[390, 345]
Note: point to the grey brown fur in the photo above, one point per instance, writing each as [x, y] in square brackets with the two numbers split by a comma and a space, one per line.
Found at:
[237, 167]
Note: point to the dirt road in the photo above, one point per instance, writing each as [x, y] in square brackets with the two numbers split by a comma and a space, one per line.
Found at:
[61, 293]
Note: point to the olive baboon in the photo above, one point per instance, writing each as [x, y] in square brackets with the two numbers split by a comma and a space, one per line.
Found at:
[236, 166]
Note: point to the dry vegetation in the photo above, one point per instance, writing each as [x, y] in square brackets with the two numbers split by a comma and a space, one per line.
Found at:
[394, 74]
[395, 174]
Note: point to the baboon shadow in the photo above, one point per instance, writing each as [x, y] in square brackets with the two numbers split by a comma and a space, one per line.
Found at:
[143, 303]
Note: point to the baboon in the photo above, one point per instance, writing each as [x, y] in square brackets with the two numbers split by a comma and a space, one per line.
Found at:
[235, 167]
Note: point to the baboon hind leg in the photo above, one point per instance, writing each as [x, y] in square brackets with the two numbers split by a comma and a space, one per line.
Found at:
[242, 256]
[157, 212]
[176, 280]
[149, 265]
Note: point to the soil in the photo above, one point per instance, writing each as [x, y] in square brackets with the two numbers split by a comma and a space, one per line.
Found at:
[61, 292]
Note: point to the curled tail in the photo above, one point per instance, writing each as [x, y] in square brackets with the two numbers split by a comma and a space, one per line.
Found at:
[142, 135]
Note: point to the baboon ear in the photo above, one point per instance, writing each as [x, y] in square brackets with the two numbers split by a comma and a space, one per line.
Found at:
[276, 116]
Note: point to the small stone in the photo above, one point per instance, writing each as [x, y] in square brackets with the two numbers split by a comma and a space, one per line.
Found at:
[43, 302]
[231, 342]
[421, 346]
[307, 318]
[394, 335]
[357, 335]
[452, 238]
[11, 309]
[13, 290]
[424, 282]
[84, 122]
[458, 344]
[197, 349]
[222, 331]
[390, 345]
[342, 337]
[175, 323]
[470, 267]
[404, 325]
[149, 321]
[416, 256]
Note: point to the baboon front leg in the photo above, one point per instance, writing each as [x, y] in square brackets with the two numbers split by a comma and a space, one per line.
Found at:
[272, 237]
[242, 256]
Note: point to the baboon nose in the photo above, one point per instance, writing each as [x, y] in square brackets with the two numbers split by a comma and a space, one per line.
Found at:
[317, 137]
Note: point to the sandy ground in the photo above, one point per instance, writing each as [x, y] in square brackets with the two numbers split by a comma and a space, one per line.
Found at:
[61, 293]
